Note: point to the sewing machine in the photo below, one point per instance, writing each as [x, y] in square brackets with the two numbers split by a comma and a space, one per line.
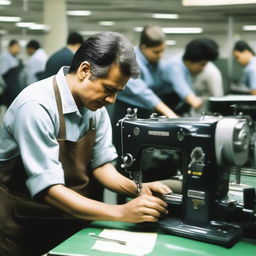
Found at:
[202, 150]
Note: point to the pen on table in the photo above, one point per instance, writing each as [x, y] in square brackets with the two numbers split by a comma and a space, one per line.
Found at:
[93, 236]
[65, 254]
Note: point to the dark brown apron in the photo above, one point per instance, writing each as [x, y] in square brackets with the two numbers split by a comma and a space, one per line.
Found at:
[30, 228]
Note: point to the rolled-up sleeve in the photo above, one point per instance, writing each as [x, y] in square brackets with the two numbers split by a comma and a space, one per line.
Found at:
[138, 93]
[34, 132]
[103, 151]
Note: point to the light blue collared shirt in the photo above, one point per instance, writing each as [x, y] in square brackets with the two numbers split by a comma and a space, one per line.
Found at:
[249, 74]
[35, 64]
[31, 125]
[156, 80]
[7, 61]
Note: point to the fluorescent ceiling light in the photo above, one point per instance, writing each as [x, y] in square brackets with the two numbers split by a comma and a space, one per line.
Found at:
[32, 25]
[36, 26]
[215, 2]
[24, 24]
[165, 16]
[249, 27]
[79, 13]
[9, 19]
[89, 33]
[176, 30]
[170, 42]
[5, 2]
[138, 29]
[106, 23]
[182, 30]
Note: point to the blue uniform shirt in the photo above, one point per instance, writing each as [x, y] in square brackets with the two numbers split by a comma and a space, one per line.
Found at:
[62, 57]
[31, 126]
[249, 74]
[156, 80]
[7, 61]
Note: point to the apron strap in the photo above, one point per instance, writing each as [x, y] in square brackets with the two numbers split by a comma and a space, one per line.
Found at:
[62, 132]
[92, 123]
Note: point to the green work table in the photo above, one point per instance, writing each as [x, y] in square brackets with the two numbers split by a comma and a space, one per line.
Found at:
[80, 244]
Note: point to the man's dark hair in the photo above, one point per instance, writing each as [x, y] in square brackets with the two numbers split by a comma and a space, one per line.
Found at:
[74, 38]
[152, 36]
[241, 46]
[33, 44]
[201, 49]
[12, 42]
[104, 49]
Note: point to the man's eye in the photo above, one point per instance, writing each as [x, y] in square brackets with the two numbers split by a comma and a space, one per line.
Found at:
[110, 90]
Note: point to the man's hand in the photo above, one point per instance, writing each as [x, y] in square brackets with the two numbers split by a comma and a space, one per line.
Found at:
[194, 101]
[155, 187]
[144, 208]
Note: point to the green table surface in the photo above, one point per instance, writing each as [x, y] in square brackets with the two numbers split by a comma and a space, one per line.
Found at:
[80, 244]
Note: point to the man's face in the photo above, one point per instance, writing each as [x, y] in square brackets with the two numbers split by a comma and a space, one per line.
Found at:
[153, 54]
[30, 51]
[242, 57]
[95, 94]
[196, 67]
[15, 49]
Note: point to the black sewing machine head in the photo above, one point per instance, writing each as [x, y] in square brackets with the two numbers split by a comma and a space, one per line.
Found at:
[202, 150]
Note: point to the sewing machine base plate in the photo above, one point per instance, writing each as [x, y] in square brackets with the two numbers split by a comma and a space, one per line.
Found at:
[225, 235]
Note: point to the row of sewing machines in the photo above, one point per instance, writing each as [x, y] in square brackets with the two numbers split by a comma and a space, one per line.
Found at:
[197, 155]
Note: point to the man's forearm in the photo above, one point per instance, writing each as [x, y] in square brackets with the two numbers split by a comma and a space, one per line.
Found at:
[115, 181]
[79, 206]
[165, 110]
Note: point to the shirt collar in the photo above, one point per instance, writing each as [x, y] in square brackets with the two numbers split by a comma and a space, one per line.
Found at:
[140, 56]
[252, 61]
[68, 102]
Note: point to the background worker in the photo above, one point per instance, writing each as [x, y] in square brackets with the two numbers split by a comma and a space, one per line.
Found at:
[145, 93]
[245, 56]
[63, 57]
[181, 71]
[56, 148]
[10, 68]
[35, 63]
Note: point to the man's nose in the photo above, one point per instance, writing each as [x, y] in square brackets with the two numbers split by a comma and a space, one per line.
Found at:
[110, 99]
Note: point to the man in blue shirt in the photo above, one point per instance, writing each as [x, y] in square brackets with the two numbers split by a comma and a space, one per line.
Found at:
[10, 68]
[163, 85]
[63, 57]
[56, 146]
[245, 56]
[144, 93]
[35, 63]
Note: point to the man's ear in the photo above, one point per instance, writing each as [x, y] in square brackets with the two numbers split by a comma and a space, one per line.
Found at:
[143, 47]
[84, 70]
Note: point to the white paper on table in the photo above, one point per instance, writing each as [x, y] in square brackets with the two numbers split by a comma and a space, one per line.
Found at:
[137, 243]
